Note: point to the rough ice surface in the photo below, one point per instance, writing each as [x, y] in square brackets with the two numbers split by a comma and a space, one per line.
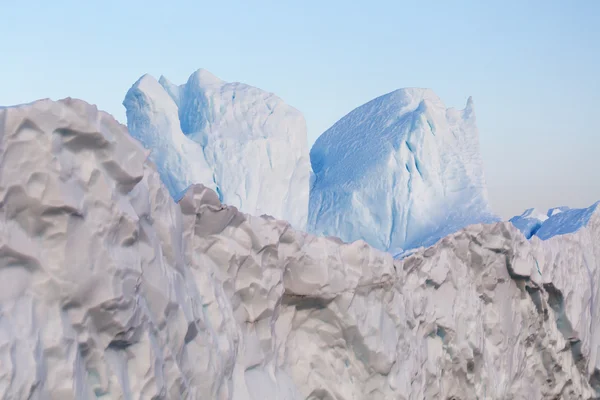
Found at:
[557, 221]
[110, 289]
[245, 143]
[401, 171]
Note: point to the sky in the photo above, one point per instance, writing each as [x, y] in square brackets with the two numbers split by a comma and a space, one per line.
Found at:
[532, 68]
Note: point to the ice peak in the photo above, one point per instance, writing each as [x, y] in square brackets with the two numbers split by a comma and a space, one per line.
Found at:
[470, 102]
[417, 93]
[410, 99]
[147, 87]
[203, 77]
[469, 110]
[145, 81]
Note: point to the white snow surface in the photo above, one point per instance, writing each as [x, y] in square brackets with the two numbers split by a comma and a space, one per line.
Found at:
[110, 289]
[400, 171]
[243, 142]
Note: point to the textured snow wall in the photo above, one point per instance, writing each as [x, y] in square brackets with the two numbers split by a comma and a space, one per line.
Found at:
[400, 171]
[245, 143]
[111, 289]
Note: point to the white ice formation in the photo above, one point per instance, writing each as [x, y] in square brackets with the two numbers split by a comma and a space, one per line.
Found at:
[245, 143]
[400, 171]
[110, 289]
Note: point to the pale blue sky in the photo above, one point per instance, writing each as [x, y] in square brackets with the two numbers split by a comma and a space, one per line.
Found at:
[531, 66]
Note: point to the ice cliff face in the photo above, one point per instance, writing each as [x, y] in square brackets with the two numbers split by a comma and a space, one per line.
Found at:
[401, 171]
[245, 143]
[111, 289]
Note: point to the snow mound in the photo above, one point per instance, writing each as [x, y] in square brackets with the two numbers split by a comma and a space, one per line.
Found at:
[245, 143]
[400, 171]
[108, 288]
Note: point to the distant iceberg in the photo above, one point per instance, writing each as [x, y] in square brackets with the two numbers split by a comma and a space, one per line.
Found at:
[557, 221]
[244, 143]
[399, 172]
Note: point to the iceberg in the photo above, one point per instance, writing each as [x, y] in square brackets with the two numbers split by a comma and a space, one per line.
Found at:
[244, 143]
[400, 172]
